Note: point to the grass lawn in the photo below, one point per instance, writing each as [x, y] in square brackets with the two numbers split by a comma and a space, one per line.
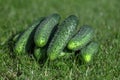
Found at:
[102, 15]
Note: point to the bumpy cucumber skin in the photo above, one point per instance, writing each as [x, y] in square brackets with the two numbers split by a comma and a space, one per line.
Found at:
[44, 30]
[88, 51]
[25, 41]
[82, 38]
[37, 53]
[62, 36]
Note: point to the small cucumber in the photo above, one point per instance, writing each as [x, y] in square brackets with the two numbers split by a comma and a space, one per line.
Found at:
[40, 53]
[82, 38]
[37, 53]
[62, 36]
[44, 30]
[25, 41]
[88, 52]
[66, 54]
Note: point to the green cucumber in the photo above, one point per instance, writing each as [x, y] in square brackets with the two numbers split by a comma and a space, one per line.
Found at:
[40, 53]
[37, 53]
[44, 30]
[82, 38]
[25, 41]
[66, 54]
[88, 52]
[62, 36]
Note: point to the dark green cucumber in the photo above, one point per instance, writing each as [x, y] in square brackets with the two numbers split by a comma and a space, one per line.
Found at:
[40, 53]
[88, 52]
[82, 38]
[62, 36]
[25, 41]
[44, 30]
[37, 53]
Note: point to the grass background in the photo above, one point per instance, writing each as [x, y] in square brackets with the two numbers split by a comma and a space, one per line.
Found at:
[103, 15]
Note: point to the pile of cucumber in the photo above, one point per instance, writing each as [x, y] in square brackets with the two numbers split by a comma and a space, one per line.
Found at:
[47, 38]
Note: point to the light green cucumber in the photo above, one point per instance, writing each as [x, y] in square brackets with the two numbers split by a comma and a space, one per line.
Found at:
[82, 38]
[66, 54]
[62, 36]
[44, 30]
[87, 52]
[23, 44]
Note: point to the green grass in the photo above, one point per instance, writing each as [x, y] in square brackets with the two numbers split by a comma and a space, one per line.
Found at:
[103, 15]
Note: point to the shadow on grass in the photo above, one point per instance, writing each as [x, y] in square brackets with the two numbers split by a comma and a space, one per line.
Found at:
[9, 49]
[10, 43]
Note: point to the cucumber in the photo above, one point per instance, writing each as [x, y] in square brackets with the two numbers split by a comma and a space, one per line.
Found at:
[62, 36]
[44, 30]
[40, 53]
[88, 52]
[66, 54]
[37, 53]
[82, 38]
[25, 41]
